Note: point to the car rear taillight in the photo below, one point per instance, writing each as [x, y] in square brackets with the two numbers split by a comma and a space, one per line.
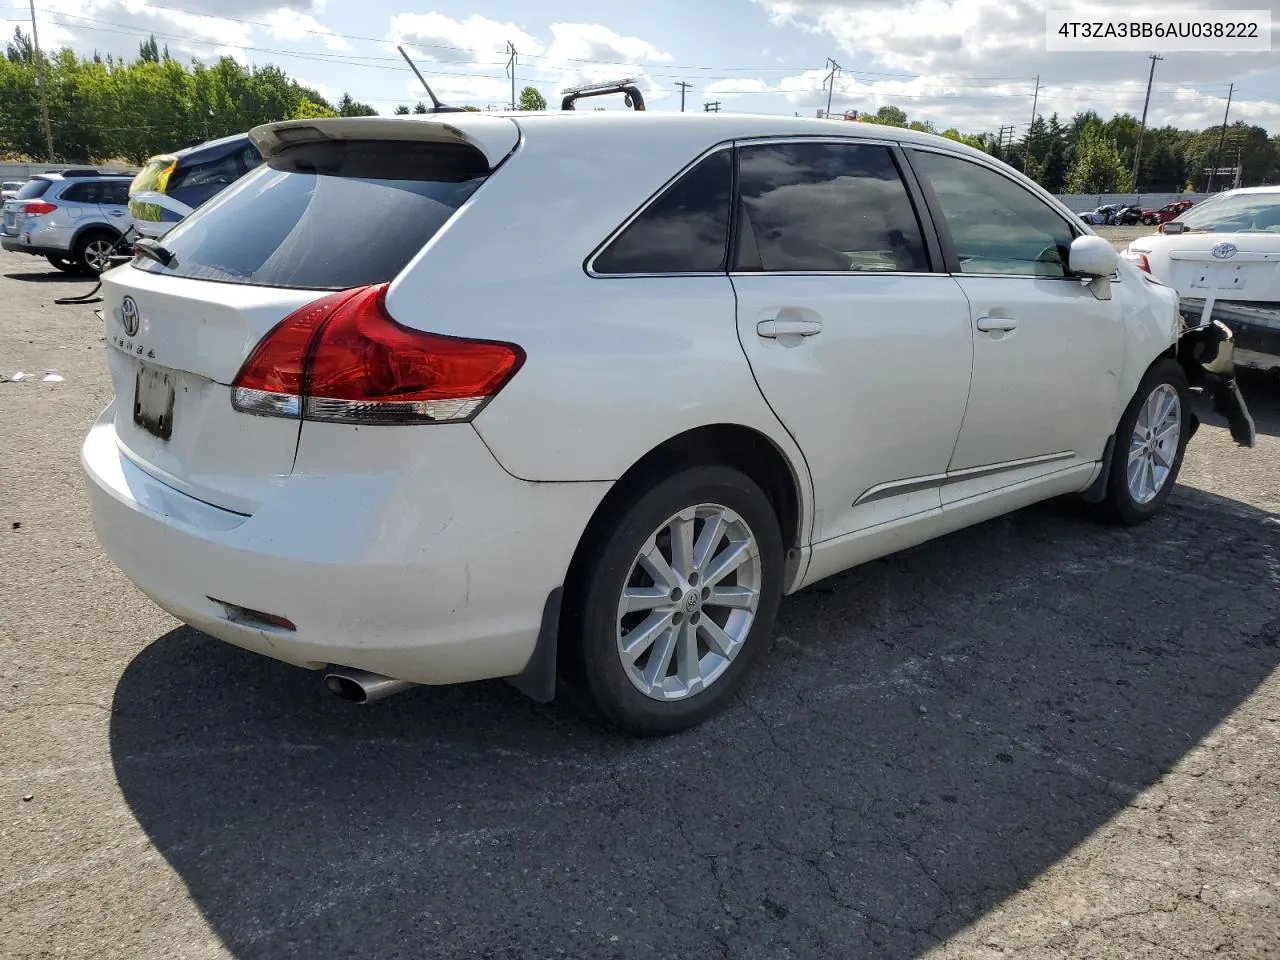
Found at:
[1139, 260]
[38, 208]
[344, 359]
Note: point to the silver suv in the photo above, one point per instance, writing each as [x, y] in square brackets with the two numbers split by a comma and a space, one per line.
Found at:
[72, 218]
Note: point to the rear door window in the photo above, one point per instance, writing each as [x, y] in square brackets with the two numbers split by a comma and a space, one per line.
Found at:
[685, 230]
[326, 216]
[820, 207]
[115, 192]
[83, 193]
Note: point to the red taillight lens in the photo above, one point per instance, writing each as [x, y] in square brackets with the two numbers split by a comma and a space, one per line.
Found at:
[38, 208]
[343, 358]
[1139, 260]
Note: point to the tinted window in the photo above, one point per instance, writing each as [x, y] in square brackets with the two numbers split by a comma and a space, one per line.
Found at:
[115, 192]
[33, 190]
[326, 216]
[83, 193]
[223, 170]
[250, 157]
[686, 230]
[829, 207]
[996, 226]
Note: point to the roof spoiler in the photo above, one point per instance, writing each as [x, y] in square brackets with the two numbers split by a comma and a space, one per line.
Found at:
[633, 97]
[493, 136]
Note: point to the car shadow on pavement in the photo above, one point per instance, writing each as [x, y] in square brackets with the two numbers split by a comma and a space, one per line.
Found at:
[51, 276]
[1261, 391]
[929, 733]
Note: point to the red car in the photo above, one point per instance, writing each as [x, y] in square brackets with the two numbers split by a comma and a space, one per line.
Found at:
[1167, 212]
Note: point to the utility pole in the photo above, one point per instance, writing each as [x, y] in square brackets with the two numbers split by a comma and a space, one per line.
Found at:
[1142, 130]
[1035, 100]
[1218, 155]
[830, 84]
[511, 71]
[44, 97]
[683, 85]
[711, 106]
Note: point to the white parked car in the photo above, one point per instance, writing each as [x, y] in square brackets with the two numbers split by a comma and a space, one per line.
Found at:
[9, 189]
[1223, 257]
[721, 357]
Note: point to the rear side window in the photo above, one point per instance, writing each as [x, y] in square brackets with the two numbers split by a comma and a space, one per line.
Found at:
[33, 190]
[326, 216]
[685, 230]
[826, 208]
[90, 192]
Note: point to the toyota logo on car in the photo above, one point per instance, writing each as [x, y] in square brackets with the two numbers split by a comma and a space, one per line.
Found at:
[1224, 251]
[129, 316]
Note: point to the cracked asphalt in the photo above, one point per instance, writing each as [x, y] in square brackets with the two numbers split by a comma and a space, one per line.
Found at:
[1038, 738]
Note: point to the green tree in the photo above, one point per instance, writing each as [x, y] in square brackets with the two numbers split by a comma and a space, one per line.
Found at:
[347, 107]
[968, 139]
[310, 110]
[1098, 166]
[419, 107]
[888, 116]
[531, 99]
[401, 110]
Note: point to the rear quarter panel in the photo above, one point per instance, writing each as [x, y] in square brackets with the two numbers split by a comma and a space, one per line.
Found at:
[615, 366]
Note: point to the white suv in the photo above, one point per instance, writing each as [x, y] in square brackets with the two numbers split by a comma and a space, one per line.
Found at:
[423, 401]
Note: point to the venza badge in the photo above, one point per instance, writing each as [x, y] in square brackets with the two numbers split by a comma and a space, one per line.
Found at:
[1224, 251]
[129, 316]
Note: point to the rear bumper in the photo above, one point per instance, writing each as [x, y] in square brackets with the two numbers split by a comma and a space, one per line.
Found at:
[19, 245]
[435, 573]
[1255, 328]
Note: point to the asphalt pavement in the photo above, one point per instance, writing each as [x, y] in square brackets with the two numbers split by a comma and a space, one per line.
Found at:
[1042, 737]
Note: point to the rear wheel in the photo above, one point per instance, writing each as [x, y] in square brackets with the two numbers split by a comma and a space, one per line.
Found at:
[93, 251]
[63, 264]
[1150, 442]
[674, 600]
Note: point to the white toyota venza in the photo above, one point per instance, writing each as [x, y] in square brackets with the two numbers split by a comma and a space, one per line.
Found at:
[579, 397]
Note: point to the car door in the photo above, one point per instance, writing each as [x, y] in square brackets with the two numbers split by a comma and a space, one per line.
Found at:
[1047, 351]
[860, 347]
[115, 203]
[82, 202]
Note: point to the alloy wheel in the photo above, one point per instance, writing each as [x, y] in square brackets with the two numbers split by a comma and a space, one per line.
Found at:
[689, 602]
[1153, 448]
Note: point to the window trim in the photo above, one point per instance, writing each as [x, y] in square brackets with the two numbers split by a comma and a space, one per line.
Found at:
[951, 259]
[919, 205]
[588, 265]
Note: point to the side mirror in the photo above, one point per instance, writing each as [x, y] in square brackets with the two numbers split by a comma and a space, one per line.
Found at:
[1092, 257]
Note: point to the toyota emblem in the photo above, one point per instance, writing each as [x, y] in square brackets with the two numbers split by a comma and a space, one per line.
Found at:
[1224, 251]
[129, 316]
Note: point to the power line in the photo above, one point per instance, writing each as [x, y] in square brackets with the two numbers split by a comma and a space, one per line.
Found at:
[511, 72]
[831, 80]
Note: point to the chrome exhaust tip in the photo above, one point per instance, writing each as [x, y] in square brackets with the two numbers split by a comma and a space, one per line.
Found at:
[360, 686]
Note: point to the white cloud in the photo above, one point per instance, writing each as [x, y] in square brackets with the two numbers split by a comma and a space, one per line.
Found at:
[976, 60]
[476, 38]
[576, 42]
[736, 87]
[286, 24]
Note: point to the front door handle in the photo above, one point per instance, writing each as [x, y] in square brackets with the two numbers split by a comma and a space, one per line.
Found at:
[787, 327]
[997, 324]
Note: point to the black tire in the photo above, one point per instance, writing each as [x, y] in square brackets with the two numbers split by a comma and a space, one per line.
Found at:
[1120, 504]
[591, 660]
[89, 246]
[63, 264]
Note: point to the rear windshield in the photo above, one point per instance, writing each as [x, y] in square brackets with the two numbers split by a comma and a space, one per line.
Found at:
[34, 189]
[1242, 213]
[325, 216]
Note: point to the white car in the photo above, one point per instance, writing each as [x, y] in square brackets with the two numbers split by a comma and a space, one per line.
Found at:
[9, 189]
[1223, 257]
[423, 401]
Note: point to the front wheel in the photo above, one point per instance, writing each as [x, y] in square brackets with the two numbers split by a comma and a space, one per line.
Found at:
[674, 600]
[1149, 445]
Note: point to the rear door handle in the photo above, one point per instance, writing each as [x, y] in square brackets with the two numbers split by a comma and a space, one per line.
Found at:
[997, 324]
[787, 327]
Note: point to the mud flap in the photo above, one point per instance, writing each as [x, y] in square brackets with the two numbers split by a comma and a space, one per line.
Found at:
[1207, 354]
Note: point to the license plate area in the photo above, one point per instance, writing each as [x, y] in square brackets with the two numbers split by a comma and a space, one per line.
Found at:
[153, 402]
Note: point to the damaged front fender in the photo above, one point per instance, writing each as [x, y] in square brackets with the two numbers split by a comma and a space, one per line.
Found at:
[1207, 355]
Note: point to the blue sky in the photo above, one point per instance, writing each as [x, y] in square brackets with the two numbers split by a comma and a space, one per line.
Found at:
[971, 64]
